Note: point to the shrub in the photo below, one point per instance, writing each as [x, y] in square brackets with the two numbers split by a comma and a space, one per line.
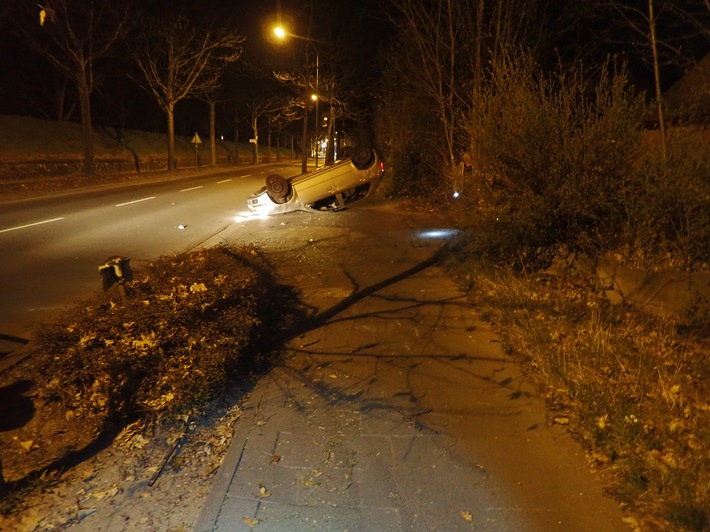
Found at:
[190, 322]
[668, 206]
[414, 172]
[555, 155]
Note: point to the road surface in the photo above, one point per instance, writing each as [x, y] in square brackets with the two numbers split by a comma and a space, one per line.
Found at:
[52, 247]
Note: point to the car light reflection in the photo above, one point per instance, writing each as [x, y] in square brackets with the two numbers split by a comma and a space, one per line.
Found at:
[246, 216]
[439, 233]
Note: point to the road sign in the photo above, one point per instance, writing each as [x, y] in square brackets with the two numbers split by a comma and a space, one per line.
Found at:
[196, 139]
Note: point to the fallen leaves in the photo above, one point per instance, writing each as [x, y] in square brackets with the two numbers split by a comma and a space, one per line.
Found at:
[160, 402]
[105, 494]
[467, 516]
[633, 523]
[145, 342]
[251, 522]
[603, 421]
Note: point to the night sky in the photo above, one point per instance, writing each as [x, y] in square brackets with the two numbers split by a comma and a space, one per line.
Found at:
[349, 37]
[352, 31]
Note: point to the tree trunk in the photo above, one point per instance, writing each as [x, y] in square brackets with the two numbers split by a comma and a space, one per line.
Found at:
[213, 139]
[255, 128]
[330, 147]
[478, 61]
[236, 143]
[657, 79]
[86, 126]
[171, 136]
[304, 140]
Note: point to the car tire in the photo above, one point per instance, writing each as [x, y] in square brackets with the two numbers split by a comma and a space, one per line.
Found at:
[278, 188]
[363, 158]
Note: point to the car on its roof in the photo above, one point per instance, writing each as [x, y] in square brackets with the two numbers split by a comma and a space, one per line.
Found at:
[330, 188]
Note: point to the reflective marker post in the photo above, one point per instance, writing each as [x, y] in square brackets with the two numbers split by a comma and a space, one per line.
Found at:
[116, 270]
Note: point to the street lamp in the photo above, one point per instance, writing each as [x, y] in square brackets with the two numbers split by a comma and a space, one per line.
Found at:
[281, 34]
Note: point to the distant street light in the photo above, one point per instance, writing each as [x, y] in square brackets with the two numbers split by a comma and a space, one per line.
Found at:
[281, 33]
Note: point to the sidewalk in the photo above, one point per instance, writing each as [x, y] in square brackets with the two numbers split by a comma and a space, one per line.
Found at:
[394, 408]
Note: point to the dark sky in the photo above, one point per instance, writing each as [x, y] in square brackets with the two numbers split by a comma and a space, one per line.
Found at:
[348, 36]
[349, 30]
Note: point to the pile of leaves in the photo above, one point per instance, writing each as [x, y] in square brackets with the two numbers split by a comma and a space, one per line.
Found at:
[632, 388]
[190, 322]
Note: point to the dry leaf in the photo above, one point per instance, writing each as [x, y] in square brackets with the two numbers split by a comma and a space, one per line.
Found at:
[107, 494]
[263, 492]
[26, 445]
[251, 522]
[198, 287]
[275, 459]
[146, 341]
[633, 523]
[561, 420]
[467, 516]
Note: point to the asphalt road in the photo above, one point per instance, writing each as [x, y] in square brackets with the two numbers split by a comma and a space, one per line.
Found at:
[52, 247]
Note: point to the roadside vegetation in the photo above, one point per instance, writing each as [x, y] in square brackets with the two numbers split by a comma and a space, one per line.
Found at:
[565, 179]
[31, 148]
[190, 323]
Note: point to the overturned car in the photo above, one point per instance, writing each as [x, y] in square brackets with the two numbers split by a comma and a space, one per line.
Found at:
[330, 188]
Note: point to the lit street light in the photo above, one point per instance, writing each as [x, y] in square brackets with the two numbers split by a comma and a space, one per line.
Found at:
[281, 34]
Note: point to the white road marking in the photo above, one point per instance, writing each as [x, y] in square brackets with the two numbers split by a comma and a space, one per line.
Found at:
[223, 181]
[245, 175]
[135, 201]
[189, 189]
[30, 225]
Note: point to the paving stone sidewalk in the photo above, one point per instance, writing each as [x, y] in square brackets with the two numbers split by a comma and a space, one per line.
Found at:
[394, 407]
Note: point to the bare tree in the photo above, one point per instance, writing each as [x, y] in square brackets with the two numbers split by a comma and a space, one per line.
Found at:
[178, 60]
[211, 99]
[662, 33]
[73, 35]
[657, 78]
[453, 41]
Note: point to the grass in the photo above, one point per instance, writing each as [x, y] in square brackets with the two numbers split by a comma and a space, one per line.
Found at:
[632, 388]
[24, 139]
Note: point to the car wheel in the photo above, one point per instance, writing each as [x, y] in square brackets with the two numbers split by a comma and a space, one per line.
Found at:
[363, 158]
[277, 188]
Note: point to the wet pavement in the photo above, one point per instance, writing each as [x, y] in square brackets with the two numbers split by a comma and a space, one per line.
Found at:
[394, 407]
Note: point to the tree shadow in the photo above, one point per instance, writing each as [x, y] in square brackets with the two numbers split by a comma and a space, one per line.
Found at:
[354, 394]
[17, 409]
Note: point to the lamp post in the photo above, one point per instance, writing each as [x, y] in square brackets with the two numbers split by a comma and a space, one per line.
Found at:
[315, 98]
[281, 34]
